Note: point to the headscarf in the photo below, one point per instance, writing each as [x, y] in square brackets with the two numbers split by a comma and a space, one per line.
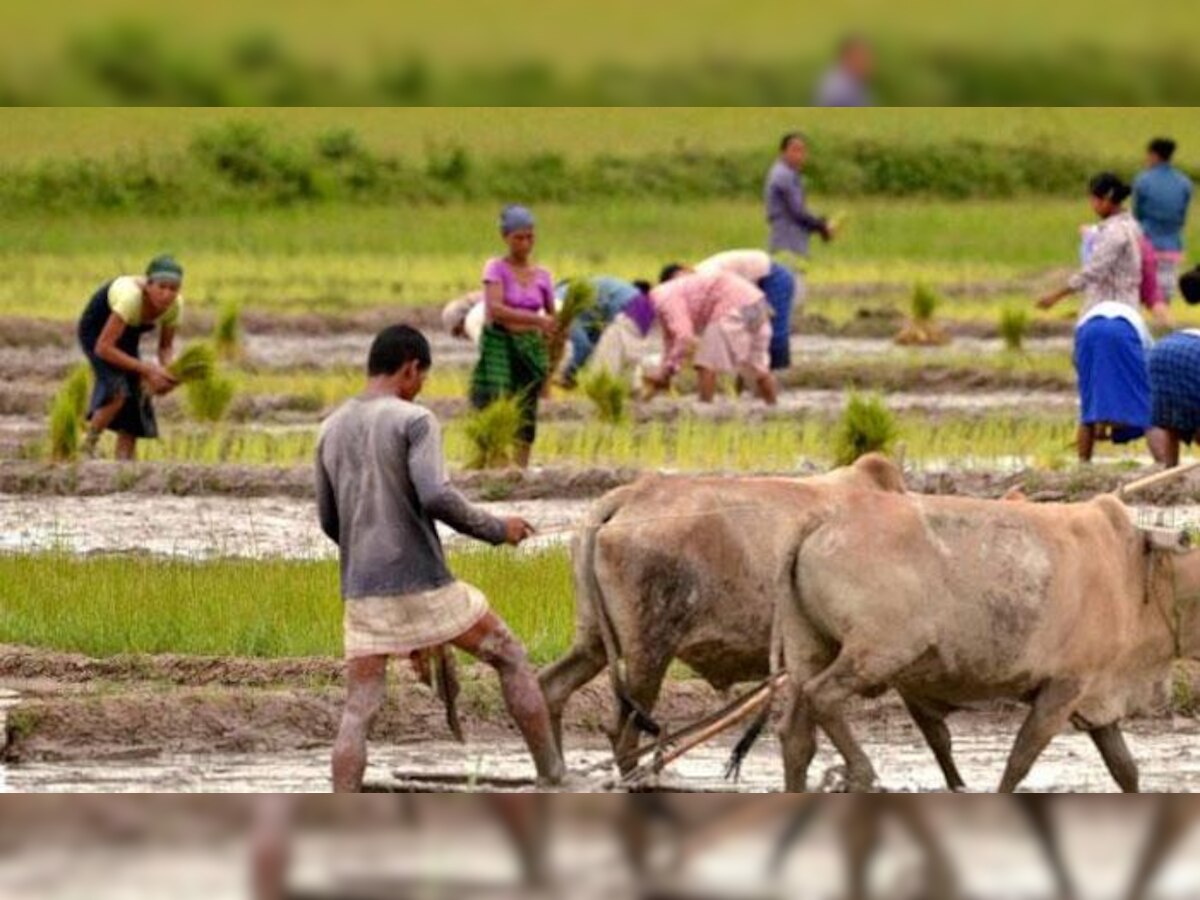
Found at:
[515, 218]
[165, 269]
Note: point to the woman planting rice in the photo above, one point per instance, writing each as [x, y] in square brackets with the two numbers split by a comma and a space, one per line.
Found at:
[1175, 385]
[513, 354]
[110, 331]
[1111, 338]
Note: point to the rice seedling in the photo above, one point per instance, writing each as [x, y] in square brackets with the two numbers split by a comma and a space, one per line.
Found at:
[921, 330]
[580, 298]
[866, 426]
[493, 432]
[1014, 325]
[227, 330]
[63, 427]
[196, 362]
[78, 387]
[208, 399]
[263, 607]
[609, 394]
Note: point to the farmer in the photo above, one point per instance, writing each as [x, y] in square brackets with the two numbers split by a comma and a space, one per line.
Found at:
[381, 485]
[514, 358]
[613, 334]
[847, 83]
[724, 319]
[1111, 338]
[1175, 385]
[774, 280]
[110, 332]
[790, 220]
[1161, 196]
[464, 317]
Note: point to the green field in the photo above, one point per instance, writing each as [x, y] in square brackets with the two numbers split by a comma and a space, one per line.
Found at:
[106, 606]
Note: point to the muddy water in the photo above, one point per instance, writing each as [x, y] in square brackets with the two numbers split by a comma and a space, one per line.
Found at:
[205, 527]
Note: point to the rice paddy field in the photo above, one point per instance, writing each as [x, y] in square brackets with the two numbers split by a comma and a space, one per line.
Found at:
[312, 277]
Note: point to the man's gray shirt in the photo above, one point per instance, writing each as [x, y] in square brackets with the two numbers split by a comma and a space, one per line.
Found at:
[381, 484]
[790, 221]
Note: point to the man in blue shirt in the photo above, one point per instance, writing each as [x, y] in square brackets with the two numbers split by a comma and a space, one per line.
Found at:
[1161, 196]
[790, 220]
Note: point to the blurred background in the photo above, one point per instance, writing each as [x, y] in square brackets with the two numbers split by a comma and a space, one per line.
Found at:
[699, 52]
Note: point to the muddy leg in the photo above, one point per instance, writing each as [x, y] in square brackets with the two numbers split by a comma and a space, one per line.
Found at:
[1174, 818]
[1050, 714]
[645, 679]
[860, 836]
[1111, 743]
[827, 695]
[271, 846]
[126, 447]
[365, 688]
[798, 740]
[932, 724]
[1085, 442]
[562, 679]
[492, 643]
[1038, 808]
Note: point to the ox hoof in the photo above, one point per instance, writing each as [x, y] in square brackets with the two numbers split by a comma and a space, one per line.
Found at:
[840, 780]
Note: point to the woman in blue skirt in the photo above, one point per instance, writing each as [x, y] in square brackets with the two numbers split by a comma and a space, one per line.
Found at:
[110, 332]
[1111, 337]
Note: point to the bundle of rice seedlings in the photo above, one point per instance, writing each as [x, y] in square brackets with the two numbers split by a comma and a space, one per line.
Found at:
[493, 432]
[609, 394]
[866, 426]
[196, 363]
[580, 298]
[208, 399]
[1014, 325]
[63, 427]
[921, 330]
[227, 331]
[78, 387]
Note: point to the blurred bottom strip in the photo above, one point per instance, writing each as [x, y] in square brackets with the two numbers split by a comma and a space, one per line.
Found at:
[651, 845]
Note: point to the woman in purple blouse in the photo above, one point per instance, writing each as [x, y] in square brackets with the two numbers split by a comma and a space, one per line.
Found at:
[514, 359]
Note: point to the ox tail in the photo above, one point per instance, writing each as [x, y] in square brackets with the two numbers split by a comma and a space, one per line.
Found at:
[741, 750]
[591, 592]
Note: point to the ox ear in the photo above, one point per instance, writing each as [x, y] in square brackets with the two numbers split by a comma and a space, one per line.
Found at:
[1166, 540]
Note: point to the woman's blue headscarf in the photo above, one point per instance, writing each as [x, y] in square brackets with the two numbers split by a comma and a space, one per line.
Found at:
[515, 218]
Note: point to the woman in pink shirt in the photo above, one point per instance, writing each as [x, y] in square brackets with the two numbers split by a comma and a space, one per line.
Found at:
[514, 359]
[724, 319]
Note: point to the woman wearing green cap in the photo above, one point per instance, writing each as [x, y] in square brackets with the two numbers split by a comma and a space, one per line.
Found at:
[110, 331]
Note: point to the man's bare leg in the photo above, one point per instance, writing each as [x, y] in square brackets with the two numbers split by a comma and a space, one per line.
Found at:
[365, 687]
[707, 384]
[491, 642]
[271, 846]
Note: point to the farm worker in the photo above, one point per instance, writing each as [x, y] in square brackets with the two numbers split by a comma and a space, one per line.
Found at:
[381, 486]
[614, 333]
[514, 359]
[1161, 197]
[778, 284]
[724, 319]
[847, 83]
[110, 332]
[1175, 384]
[464, 318]
[1111, 337]
[790, 220]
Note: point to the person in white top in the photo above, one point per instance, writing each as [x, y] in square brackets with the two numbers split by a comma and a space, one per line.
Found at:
[774, 280]
[465, 317]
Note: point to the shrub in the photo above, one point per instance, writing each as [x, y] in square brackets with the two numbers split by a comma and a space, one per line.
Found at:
[1014, 326]
[924, 303]
[609, 394]
[493, 432]
[208, 399]
[63, 427]
[921, 330]
[866, 426]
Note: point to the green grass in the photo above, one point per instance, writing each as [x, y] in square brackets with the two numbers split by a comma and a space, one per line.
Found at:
[110, 605]
[338, 259]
